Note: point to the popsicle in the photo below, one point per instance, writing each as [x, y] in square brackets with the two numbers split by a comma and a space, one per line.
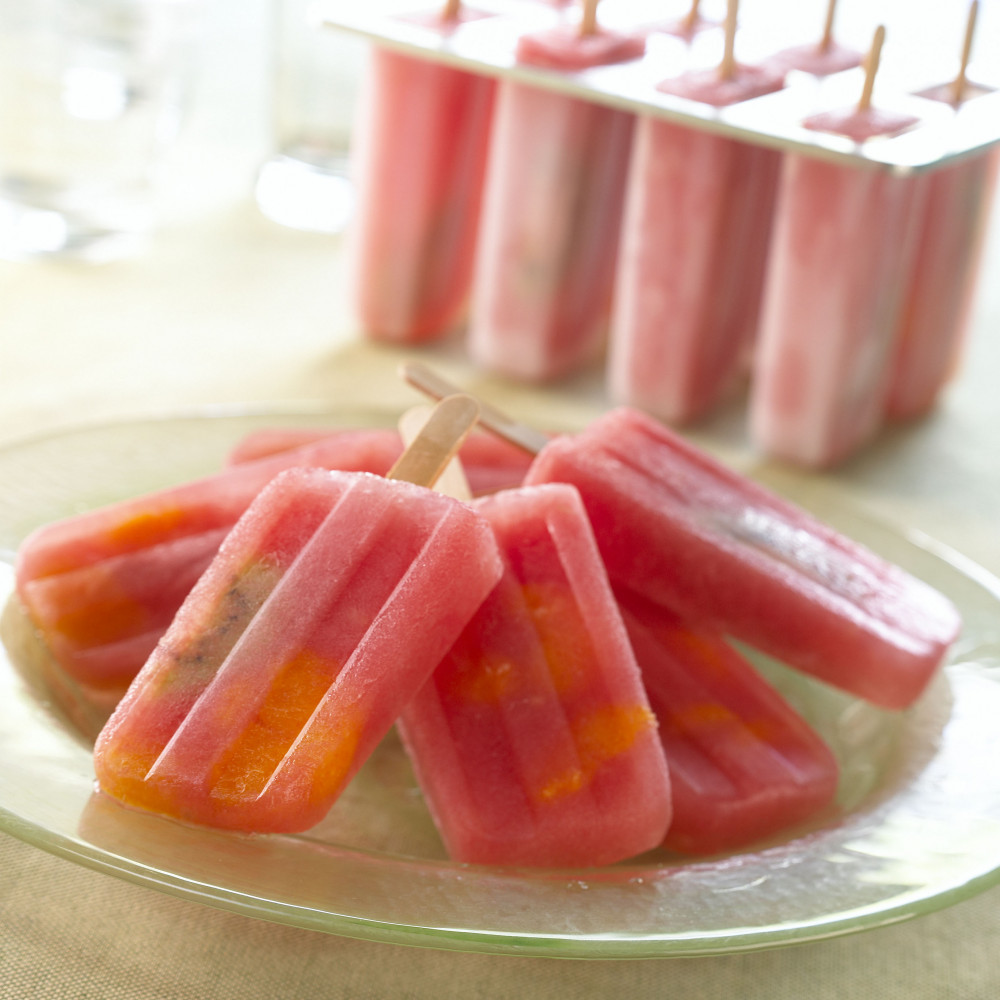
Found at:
[533, 741]
[551, 214]
[329, 604]
[822, 58]
[940, 294]
[843, 240]
[744, 765]
[490, 463]
[570, 46]
[101, 587]
[941, 289]
[695, 234]
[726, 554]
[419, 165]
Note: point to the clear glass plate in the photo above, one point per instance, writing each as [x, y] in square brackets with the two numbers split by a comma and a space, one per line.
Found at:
[917, 828]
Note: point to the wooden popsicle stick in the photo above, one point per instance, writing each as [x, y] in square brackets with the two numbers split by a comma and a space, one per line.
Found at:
[690, 20]
[826, 39]
[727, 68]
[871, 68]
[438, 441]
[588, 21]
[961, 81]
[451, 10]
[431, 384]
[452, 480]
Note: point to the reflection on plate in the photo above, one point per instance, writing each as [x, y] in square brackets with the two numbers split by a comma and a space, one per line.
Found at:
[918, 826]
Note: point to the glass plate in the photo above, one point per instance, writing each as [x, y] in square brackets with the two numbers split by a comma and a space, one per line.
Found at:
[918, 824]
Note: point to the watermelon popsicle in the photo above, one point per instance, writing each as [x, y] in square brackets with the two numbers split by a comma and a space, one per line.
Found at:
[419, 165]
[329, 604]
[843, 242]
[724, 553]
[694, 245]
[533, 741]
[823, 57]
[551, 213]
[101, 587]
[938, 300]
[940, 292]
[744, 765]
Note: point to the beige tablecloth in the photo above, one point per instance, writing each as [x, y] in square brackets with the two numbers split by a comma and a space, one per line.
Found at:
[227, 308]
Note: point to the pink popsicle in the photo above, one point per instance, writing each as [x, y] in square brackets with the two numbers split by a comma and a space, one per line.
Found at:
[695, 239]
[551, 215]
[419, 166]
[940, 290]
[728, 555]
[818, 60]
[327, 607]
[842, 249]
[822, 58]
[102, 587]
[743, 764]
[567, 47]
[842, 244]
[533, 741]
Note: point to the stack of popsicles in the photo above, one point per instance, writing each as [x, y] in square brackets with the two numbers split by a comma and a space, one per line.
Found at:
[556, 654]
[692, 263]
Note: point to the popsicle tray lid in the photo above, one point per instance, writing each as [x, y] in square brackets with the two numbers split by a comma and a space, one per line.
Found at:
[920, 59]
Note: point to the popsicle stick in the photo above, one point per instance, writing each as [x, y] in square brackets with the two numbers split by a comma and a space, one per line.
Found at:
[431, 384]
[452, 481]
[826, 39]
[451, 10]
[961, 81]
[588, 22]
[438, 441]
[690, 20]
[871, 68]
[727, 68]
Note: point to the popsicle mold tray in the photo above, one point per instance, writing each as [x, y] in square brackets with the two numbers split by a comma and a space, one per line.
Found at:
[920, 60]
